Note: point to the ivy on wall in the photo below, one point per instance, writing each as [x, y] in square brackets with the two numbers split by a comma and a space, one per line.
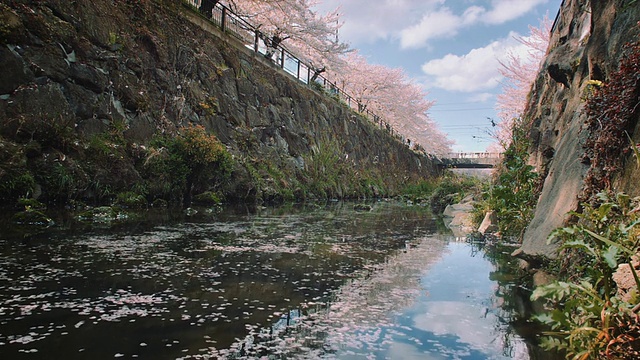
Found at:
[612, 109]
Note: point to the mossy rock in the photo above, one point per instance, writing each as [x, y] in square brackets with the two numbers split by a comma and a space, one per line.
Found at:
[131, 200]
[32, 217]
[102, 214]
[362, 207]
[31, 204]
[207, 198]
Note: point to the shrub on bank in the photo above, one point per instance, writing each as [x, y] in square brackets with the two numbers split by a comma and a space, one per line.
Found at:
[514, 191]
[590, 313]
[190, 161]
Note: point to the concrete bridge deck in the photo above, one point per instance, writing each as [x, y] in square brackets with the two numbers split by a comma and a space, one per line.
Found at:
[478, 160]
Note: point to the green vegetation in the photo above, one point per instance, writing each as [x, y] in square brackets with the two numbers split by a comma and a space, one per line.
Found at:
[588, 315]
[191, 161]
[260, 180]
[207, 198]
[513, 193]
[421, 191]
[326, 169]
[593, 309]
[612, 111]
[445, 190]
[132, 200]
[191, 165]
[14, 184]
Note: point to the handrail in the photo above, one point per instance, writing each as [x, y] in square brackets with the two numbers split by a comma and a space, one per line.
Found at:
[234, 25]
[474, 155]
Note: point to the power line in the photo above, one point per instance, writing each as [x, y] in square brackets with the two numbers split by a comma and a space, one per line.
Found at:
[457, 103]
[470, 109]
[459, 126]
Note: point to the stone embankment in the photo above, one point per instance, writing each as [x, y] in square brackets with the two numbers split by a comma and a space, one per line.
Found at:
[87, 85]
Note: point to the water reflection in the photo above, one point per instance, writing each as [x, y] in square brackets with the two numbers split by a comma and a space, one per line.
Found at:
[303, 282]
[432, 301]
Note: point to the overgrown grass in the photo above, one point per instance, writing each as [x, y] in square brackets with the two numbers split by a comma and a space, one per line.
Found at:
[325, 169]
[15, 184]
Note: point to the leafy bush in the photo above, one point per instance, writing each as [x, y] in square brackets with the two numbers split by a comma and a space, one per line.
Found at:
[446, 193]
[59, 180]
[192, 159]
[15, 183]
[514, 191]
[419, 191]
[588, 317]
[442, 191]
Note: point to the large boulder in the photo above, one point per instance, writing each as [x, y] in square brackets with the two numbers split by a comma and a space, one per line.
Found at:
[489, 224]
[586, 44]
[458, 218]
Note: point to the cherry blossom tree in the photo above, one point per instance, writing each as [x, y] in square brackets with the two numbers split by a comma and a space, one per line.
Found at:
[311, 36]
[314, 37]
[519, 71]
[390, 93]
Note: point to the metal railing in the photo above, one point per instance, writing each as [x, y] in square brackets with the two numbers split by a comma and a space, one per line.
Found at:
[474, 155]
[235, 26]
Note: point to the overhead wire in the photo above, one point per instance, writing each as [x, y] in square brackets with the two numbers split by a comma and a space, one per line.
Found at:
[470, 109]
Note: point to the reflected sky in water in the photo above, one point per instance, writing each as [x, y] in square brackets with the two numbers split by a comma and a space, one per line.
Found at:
[292, 283]
[456, 316]
[434, 300]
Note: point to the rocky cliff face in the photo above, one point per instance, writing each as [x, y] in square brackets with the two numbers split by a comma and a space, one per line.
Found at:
[78, 74]
[587, 45]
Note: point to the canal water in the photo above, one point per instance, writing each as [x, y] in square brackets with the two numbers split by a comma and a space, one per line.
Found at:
[296, 282]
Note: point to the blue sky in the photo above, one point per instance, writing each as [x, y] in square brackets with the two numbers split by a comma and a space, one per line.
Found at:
[450, 47]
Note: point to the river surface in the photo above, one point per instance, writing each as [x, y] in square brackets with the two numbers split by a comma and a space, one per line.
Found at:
[296, 282]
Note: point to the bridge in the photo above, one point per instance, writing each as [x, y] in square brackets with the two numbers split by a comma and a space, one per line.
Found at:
[474, 160]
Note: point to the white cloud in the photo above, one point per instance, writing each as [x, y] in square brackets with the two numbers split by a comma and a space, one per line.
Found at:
[416, 22]
[506, 10]
[461, 319]
[474, 71]
[472, 14]
[367, 21]
[442, 23]
[471, 324]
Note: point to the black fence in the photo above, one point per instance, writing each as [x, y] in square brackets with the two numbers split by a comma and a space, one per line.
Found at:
[235, 26]
[474, 155]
